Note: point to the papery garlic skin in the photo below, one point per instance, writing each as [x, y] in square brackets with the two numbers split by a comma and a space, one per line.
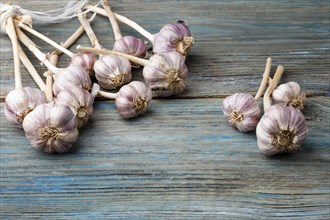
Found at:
[51, 128]
[79, 100]
[22, 101]
[281, 130]
[242, 110]
[131, 45]
[112, 72]
[289, 94]
[86, 60]
[133, 99]
[165, 74]
[72, 76]
[173, 37]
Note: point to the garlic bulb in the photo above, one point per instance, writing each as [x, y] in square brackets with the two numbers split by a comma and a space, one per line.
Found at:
[290, 94]
[51, 128]
[22, 101]
[242, 110]
[112, 72]
[165, 74]
[281, 130]
[74, 75]
[173, 37]
[86, 60]
[133, 99]
[132, 46]
[80, 102]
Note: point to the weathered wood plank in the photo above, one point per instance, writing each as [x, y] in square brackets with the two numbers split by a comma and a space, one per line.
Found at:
[233, 40]
[180, 160]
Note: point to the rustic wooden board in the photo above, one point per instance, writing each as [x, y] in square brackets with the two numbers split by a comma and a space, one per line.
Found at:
[233, 40]
[181, 160]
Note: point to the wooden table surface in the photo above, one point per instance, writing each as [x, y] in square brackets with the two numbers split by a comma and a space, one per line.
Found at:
[181, 160]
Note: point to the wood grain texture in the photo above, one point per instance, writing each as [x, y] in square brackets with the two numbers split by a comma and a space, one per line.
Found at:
[181, 160]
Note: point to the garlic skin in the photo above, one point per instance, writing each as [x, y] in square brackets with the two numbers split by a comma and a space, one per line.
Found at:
[165, 74]
[133, 99]
[173, 37]
[242, 111]
[79, 100]
[281, 130]
[22, 101]
[86, 60]
[51, 128]
[72, 76]
[290, 94]
[131, 45]
[112, 72]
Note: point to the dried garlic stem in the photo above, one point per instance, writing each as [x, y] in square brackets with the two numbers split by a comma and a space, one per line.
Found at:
[124, 20]
[108, 95]
[46, 39]
[134, 59]
[276, 79]
[265, 79]
[10, 29]
[112, 19]
[32, 47]
[49, 78]
[30, 68]
[74, 37]
[90, 33]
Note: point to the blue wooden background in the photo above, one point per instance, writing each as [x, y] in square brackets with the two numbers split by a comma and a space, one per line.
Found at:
[181, 160]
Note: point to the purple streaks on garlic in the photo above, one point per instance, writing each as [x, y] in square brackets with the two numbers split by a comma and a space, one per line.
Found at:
[86, 60]
[133, 99]
[79, 100]
[289, 94]
[281, 130]
[131, 45]
[51, 128]
[165, 74]
[22, 101]
[112, 72]
[242, 110]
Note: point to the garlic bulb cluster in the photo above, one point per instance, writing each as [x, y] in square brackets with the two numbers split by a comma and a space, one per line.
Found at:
[51, 128]
[165, 74]
[20, 102]
[242, 110]
[173, 37]
[133, 99]
[289, 94]
[85, 60]
[112, 72]
[281, 130]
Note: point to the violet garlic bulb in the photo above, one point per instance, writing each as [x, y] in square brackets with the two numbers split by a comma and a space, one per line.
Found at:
[51, 128]
[72, 76]
[281, 130]
[173, 37]
[22, 101]
[242, 110]
[133, 99]
[80, 102]
[86, 60]
[289, 94]
[112, 72]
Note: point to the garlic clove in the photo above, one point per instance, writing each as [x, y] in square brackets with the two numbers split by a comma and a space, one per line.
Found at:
[72, 76]
[22, 101]
[80, 101]
[86, 60]
[51, 128]
[132, 46]
[290, 94]
[165, 74]
[133, 99]
[173, 37]
[281, 130]
[112, 72]
[242, 110]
